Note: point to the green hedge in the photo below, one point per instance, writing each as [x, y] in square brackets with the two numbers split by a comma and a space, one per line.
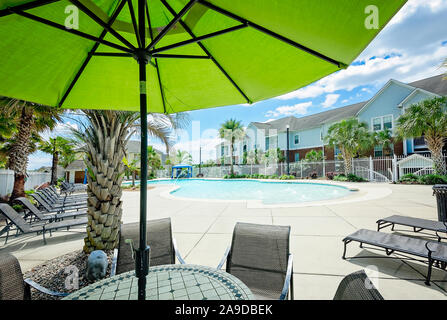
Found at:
[427, 179]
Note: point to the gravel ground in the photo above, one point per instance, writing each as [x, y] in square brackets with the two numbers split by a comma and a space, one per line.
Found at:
[51, 274]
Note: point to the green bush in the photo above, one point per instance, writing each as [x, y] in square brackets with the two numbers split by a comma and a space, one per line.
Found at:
[351, 178]
[273, 176]
[409, 178]
[340, 177]
[287, 177]
[432, 179]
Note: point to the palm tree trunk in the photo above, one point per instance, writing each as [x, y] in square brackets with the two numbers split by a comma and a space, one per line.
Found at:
[231, 158]
[133, 178]
[18, 157]
[435, 144]
[347, 158]
[54, 168]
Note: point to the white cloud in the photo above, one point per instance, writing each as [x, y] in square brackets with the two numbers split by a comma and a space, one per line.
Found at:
[330, 100]
[61, 129]
[300, 109]
[38, 160]
[408, 49]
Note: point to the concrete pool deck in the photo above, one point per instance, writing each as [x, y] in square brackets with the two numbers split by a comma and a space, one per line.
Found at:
[203, 231]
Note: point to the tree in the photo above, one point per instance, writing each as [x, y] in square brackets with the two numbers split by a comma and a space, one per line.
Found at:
[181, 157]
[231, 130]
[427, 118]
[103, 138]
[280, 156]
[56, 147]
[153, 160]
[30, 119]
[314, 156]
[384, 139]
[131, 168]
[351, 137]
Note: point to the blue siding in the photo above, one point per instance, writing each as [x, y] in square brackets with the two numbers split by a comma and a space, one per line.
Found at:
[385, 104]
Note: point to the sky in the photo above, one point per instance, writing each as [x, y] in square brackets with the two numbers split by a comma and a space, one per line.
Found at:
[411, 47]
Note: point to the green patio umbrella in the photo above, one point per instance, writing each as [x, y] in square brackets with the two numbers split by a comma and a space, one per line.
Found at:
[176, 55]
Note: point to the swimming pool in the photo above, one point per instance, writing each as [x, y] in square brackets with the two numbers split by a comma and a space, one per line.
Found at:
[269, 192]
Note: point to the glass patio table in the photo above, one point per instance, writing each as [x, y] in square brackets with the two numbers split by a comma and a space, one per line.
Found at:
[167, 282]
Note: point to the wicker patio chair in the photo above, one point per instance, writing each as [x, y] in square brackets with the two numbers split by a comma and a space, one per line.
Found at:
[357, 286]
[12, 285]
[163, 248]
[260, 257]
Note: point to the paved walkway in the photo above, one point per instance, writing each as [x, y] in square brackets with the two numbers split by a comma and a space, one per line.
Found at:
[203, 231]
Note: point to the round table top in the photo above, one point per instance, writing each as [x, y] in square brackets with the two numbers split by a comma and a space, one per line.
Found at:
[169, 282]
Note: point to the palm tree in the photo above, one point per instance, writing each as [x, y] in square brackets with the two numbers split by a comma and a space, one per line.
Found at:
[232, 130]
[351, 137]
[181, 157]
[384, 139]
[56, 147]
[314, 156]
[132, 168]
[427, 118]
[153, 160]
[30, 118]
[102, 139]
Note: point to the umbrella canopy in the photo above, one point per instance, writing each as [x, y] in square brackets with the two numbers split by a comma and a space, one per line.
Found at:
[98, 54]
[250, 50]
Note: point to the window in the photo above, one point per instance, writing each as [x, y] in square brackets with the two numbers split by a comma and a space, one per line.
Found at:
[378, 151]
[267, 143]
[336, 152]
[245, 148]
[377, 124]
[297, 139]
[222, 150]
[297, 157]
[321, 135]
[388, 122]
[381, 123]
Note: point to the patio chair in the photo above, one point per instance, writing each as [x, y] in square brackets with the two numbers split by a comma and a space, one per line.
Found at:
[56, 208]
[357, 286]
[12, 284]
[163, 247]
[21, 226]
[58, 202]
[416, 223]
[51, 216]
[64, 200]
[260, 257]
[432, 252]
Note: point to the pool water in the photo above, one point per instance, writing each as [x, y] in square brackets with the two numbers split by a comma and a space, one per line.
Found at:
[269, 192]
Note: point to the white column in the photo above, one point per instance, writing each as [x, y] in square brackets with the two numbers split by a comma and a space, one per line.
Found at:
[395, 168]
[371, 168]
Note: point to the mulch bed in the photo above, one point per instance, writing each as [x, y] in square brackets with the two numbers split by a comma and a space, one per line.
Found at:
[51, 274]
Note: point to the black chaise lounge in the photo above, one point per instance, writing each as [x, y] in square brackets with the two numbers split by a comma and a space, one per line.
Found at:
[55, 208]
[21, 226]
[51, 216]
[433, 252]
[416, 223]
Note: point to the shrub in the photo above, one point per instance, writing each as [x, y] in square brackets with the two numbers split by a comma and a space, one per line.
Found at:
[432, 179]
[313, 175]
[273, 176]
[353, 178]
[340, 177]
[409, 178]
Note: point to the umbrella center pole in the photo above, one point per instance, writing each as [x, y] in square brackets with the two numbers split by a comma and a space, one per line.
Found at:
[142, 253]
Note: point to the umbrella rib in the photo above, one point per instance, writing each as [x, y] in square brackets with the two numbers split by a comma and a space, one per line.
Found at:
[103, 24]
[72, 31]
[90, 54]
[197, 39]
[171, 24]
[179, 56]
[26, 6]
[156, 61]
[185, 26]
[134, 22]
[272, 34]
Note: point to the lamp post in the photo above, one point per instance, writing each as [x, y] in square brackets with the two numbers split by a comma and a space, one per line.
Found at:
[287, 152]
[200, 160]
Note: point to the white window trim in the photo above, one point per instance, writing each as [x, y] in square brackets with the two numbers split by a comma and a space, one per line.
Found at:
[382, 123]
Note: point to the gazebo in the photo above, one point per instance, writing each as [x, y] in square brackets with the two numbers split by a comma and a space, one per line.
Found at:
[178, 170]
